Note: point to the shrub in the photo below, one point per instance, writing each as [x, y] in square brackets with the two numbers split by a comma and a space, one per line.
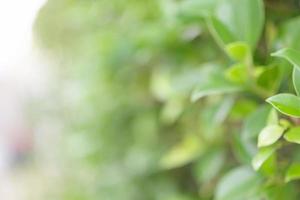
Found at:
[194, 99]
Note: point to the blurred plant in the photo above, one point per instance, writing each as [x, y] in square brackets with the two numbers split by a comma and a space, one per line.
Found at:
[129, 69]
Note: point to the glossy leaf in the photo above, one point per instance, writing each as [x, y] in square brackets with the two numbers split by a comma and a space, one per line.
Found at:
[293, 56]
[296, 80]
[290, 55]
[293, 135]
[269, 135]
[287, 104]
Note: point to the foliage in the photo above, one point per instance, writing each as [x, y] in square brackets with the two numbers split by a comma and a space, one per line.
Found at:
[178, 100]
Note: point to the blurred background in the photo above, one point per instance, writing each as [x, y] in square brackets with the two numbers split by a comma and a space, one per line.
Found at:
[95, 100]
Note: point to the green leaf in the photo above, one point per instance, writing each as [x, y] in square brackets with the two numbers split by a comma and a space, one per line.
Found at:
[263, 154]
[237, 73]
[293, 172]
[215, 84]
[293, 135]
[240, 183]
[273, 117]
[269, 78]
[287, 104]
[290, 33]
[220, 32]
[238, 51]
[182, 153]
[210, 165]
[195, 8]
[238, 20]
[255, 122]
[296, 80]
[293, 56]
[269, 135]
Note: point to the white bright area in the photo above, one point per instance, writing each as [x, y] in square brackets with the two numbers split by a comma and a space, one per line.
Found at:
[22, 76]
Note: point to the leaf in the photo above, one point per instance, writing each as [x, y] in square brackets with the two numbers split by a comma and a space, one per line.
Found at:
[237, 73]
[293, 172]
[238, 20]
[287, 104]
[210, 165]
[269, 78]
[293, 135]
[290, 55]
[296, 80]
[238, 51]
[263, 154]
[243, 149]
[273, 117]
[255, 122]
[293, 56]
[220, 32]
[215, 84]
[195, 8]
[184, 152]
[290, 33]
[269, 135]
[240, 183]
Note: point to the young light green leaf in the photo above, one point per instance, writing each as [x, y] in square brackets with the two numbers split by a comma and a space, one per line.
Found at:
[273, 117]
[263, 154]
[240, 183]
[285, 123]
[237, 73]
[238, 51]
[293, 172]
[296, 80]
[293, 135]
[269, 135]
[287, 104]
[238, 20]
